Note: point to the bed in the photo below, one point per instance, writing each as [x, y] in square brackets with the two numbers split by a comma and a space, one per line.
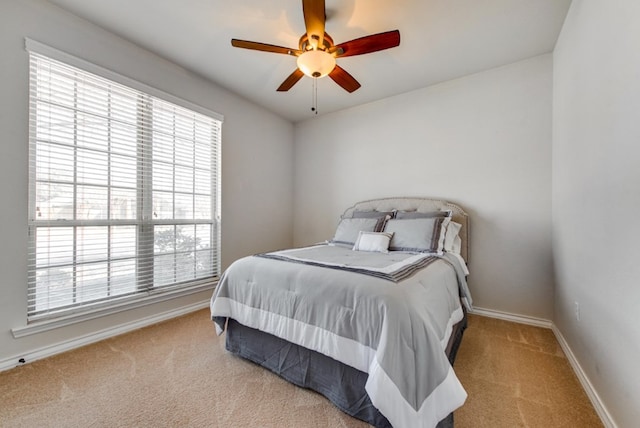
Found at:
[371, 319]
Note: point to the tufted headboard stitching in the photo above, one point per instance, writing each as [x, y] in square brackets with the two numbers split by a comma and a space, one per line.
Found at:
[420, 205]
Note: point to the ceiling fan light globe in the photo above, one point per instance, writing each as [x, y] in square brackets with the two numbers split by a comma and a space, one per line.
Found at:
[316, 63]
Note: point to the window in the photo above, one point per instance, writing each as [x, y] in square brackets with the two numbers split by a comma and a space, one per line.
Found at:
[124, 192]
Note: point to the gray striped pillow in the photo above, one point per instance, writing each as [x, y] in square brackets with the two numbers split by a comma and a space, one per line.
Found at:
[424, 235]
[349, 228]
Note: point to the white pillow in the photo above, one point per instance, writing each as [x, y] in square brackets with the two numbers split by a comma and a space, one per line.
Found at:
[451, 244]
[373, 241]
[457, 245]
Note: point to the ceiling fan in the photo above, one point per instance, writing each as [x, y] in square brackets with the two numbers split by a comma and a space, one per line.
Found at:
[317, 52]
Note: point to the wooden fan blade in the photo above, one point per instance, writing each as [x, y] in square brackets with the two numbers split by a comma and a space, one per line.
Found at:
[314, 17]
[344, 79]
[257, 46]
[291, 80]
[368, 44]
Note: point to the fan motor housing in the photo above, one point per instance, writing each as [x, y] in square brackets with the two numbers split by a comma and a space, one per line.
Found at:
[305, 45]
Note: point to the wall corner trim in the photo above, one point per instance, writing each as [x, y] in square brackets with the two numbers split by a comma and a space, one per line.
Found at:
[599, 406]
[597, 403]
[506, 316]
[67, 345]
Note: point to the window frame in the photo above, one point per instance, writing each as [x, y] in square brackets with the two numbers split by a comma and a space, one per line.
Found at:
[144, 219]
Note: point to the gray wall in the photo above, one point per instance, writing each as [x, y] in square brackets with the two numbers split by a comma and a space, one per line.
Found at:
[483, 141]
[257, 159]
[596, 197]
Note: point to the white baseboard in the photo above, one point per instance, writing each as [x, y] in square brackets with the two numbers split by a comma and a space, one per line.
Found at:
[67, 345]
[597, 403]
[601, 410]
[521, 319]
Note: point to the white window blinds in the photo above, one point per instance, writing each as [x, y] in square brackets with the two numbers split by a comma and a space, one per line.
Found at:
[124, 192]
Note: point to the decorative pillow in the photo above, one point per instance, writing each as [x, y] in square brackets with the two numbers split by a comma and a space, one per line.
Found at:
[451, 244]
[457, 245]
[348, 229]
[372, 214]
[382, 217]
[419, 214]
[418, 234]
[373, 241]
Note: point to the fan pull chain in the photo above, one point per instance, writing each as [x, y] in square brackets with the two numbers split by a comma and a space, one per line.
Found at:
[314, 96]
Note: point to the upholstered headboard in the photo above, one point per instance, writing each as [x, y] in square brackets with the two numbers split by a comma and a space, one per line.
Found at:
[420, 205]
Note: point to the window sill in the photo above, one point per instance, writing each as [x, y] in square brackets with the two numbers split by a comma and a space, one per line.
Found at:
[136, 302]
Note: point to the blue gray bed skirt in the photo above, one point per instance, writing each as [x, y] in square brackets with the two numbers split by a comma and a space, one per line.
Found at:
[343, 385]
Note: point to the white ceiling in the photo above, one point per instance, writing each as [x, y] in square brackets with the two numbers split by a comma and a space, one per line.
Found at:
[440, 40]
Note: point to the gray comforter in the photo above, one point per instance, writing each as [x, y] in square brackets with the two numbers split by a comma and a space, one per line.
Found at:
[389, 315]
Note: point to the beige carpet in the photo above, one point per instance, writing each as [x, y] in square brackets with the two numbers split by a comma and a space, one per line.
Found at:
[178, 374]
